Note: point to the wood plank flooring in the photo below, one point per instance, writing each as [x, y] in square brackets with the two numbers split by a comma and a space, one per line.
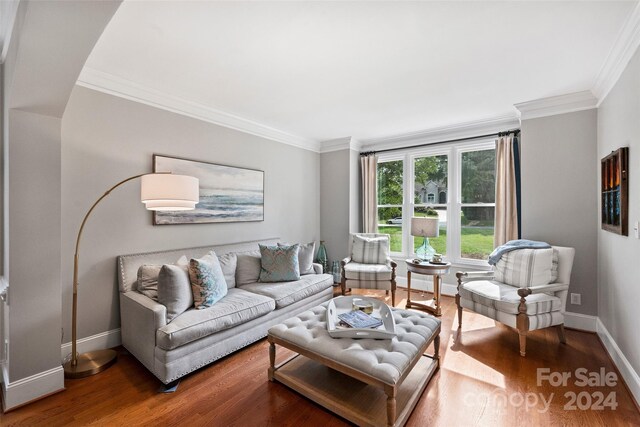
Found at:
[483, 381]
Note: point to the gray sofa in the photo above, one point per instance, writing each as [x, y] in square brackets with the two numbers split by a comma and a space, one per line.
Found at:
[198, 337]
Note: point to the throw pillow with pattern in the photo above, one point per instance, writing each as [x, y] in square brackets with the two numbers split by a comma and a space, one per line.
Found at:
[207, 280]
[524, 268]
[305, 257]
[370, 250]
[279, 263]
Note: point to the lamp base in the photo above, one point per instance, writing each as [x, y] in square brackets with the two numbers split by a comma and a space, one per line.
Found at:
[426, 251]
[90, 363]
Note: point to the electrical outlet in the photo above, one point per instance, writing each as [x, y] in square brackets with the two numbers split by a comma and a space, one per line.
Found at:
[576, 299]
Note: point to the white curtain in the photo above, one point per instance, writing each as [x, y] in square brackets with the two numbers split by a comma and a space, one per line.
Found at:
[368, 168]
[506, 223]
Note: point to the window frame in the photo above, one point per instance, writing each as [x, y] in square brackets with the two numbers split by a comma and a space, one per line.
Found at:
[454, 203]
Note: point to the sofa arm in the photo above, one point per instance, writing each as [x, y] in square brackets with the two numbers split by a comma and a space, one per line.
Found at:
[140, 318]
[317, 268]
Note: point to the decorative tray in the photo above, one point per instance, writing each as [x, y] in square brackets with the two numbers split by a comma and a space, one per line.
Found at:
[344, 304]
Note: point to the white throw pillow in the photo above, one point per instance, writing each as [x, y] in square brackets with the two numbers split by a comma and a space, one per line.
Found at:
[524, 268]
[174, 289]
[228, 263]
[370, 250]
[248, 268]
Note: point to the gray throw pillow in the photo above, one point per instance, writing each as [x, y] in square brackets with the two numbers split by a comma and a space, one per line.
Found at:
[228, 263]
[279, 263]
[147, 283]
[248, 268]
[305, 257]
[207, 281]
[174, 290]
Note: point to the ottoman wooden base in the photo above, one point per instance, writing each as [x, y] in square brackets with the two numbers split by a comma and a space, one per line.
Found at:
[358, 402]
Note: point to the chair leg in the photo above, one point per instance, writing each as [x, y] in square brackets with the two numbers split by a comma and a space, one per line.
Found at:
[393, 293]
[561, 336]
[386, 292]
[459, 311]
[523, 343]
[343, 286]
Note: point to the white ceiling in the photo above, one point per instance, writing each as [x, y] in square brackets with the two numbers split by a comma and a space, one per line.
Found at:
[326, 70]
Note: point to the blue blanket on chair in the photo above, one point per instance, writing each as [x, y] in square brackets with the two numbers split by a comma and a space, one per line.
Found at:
[512, 245]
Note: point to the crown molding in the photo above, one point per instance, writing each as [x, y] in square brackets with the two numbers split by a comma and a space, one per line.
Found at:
[443, 133]
[348, 143]
[623, 49]
[560, 104]
[123, 88]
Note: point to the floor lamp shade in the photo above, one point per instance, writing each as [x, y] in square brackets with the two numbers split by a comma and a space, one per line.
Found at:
[158, 191]
[169, 192]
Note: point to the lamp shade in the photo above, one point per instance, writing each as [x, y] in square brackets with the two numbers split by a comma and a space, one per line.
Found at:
[424, 227]
[169, 192]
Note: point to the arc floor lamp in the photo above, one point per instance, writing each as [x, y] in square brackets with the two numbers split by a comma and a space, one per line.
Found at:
[162, 191]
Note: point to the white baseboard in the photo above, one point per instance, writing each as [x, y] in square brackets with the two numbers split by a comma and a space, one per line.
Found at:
[629, 374]
[25, 390]
[584, 322]
[108, 339]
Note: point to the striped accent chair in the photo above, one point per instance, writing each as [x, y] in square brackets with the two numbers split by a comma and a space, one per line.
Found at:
[517, 304]
[370, 265]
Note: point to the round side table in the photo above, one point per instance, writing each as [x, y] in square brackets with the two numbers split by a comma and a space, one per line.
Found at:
[435, 270]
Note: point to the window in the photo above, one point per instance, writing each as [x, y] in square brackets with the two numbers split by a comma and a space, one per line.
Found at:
[390, 201]
[454, 183]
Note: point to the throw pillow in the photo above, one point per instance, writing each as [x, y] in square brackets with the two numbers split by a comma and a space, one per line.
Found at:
[228, 263]
[174, 290]
[279, 263]
[148, 278]
[370, 250]
[305, 257]
[525, 267]
[248, 268]
[207, 280]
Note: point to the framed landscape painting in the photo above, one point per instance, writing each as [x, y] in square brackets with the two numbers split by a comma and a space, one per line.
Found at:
[227, 193]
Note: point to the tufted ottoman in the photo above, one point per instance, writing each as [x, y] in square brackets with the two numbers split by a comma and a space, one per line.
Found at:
[369, 382]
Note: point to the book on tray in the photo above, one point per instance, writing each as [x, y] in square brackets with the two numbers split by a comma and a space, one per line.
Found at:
[359, 319]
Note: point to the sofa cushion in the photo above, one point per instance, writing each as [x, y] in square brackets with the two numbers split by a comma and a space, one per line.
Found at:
[505, 298]
[147, 283]
[279, 263]
[286, 293]
[238, 306]
[357, 271]
[525, 267]
[174, 289]
[207, 281]
[305, 257]
[248, 267]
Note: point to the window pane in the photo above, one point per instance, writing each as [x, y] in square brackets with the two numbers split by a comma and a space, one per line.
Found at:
[390, 183]
[438, 243]
[479, 176]
[390, 222]
[431, 180]
[476, 241]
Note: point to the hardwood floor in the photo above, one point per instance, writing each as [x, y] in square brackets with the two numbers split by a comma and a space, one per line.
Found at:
[482, 381]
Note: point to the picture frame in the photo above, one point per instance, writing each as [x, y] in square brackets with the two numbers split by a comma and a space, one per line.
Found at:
[227, 193]
[614, 191]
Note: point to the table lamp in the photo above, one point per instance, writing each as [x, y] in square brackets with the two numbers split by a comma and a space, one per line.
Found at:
[160, 191]
[425, 227]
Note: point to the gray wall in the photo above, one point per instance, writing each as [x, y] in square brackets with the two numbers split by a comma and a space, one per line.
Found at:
[106, 139]
[618, 256]
[335, 203]
[559, 204]
[34, 242]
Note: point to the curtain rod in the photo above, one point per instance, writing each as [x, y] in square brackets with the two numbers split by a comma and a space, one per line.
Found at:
[498, 134]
